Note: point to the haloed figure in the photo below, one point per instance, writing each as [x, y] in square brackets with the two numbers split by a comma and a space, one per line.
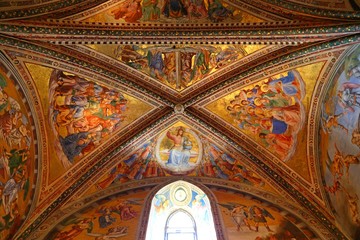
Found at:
[179, 154]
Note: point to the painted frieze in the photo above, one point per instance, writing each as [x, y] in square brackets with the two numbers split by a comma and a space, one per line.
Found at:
[339, 142]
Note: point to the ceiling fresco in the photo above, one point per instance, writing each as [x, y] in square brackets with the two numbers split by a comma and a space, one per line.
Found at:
[109, 218]
[145, 11]
[249, 219]
[177, 66]
[181, 150]
[18, 164]
[272, 112]
[82, 114]
[114, 215]
[339, 140]
[254, 104]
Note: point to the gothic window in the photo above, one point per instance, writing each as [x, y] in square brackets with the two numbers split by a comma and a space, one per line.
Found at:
[180, 225]
[180, 211]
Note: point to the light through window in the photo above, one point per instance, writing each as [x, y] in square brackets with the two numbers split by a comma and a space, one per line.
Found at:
[180, 211]
[180, 226]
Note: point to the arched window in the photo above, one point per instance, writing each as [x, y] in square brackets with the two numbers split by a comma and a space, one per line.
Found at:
[180, 225]
[180, 211]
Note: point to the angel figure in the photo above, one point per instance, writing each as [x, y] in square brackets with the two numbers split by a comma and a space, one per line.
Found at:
[161, 203]
[349, 96]
[239, 214]
[352, 64]
[77, 227]
[329, 121]
[336, 166]
[124, 209]
[353, 201]
[106, 219]
[259, 215]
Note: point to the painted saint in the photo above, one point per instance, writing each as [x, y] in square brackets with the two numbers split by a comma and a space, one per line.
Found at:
[179, 154]
[179, 150]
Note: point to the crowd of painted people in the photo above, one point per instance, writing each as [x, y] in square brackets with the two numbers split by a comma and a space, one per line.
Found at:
[215, 163]
[15, 160]
[151, 10]
[196, 62]
[271, 112]
[82, 113]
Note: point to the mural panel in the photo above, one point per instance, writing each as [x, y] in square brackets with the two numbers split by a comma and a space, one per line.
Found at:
[339, 142]
[269, 111]
[109, 218]
[181, 150]
[17, 158]
[248, 219]
[82, 114]
[173, 11]
[177, 66]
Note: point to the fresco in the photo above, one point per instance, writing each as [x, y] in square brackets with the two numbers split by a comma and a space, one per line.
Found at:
[180, 150]
[340, 145]
[173, 11]
[188, 198]
[109, 218]
[246, 218]
[17, 162]
[177, 66]
[83, 113]
[269, 111]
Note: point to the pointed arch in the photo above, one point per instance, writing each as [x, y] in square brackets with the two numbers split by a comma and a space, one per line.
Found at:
[179, 225]
[192, 198]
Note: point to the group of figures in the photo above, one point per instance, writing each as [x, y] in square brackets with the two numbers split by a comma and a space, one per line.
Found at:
[180, 151]
[341, 138]
[82, 113]
[132, 11]
[139, 165]
[106, 223]
[257, 223]
[243, 215]
[178, 67]
[15, 160]
[180, 158]
[218, 163]
[271, 112]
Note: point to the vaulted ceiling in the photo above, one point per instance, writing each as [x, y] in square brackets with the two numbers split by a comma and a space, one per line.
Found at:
[97, 98]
